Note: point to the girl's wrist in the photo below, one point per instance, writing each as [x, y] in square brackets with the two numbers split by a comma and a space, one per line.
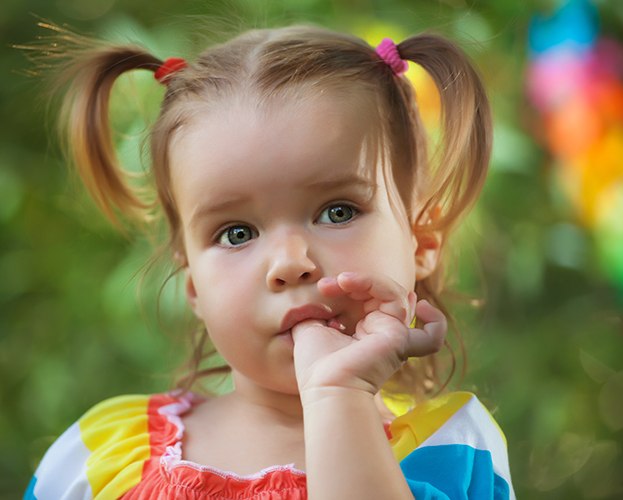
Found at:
[325, 381]
[334, 395]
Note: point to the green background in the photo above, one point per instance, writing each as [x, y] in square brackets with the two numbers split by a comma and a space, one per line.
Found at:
[542, 318]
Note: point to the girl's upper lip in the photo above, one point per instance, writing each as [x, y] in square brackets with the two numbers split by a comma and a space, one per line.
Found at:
[307, 311]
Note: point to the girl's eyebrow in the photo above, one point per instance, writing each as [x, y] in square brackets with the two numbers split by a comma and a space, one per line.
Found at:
[354, 181]
[212, 208]
[349, 181]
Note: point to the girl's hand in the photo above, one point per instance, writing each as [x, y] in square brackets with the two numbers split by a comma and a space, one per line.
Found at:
[326, 357]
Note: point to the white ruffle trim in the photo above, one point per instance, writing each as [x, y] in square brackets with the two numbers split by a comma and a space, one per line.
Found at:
[172, 456]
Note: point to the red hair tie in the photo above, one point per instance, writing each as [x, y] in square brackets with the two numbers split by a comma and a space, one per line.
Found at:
[389, 53]
[168, 67]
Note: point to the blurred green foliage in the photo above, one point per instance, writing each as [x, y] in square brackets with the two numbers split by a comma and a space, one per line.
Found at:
[77, 324]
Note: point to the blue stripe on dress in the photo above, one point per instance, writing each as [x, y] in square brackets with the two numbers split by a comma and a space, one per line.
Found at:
[29, 494]
[453, 472]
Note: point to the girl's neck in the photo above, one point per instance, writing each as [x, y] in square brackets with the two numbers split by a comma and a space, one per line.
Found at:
[250, 397]
[280, 407]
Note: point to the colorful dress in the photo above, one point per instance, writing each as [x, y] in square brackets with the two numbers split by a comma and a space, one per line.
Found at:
[130, 447]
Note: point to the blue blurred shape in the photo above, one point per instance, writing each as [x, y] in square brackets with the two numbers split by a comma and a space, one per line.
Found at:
[575, 25]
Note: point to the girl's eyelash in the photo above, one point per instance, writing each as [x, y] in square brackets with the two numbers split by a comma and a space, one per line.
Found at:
[351, 212]
[225, 234]
[234, 233]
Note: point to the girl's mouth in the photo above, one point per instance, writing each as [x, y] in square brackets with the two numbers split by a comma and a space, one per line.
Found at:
[305, 312]
[311, 311]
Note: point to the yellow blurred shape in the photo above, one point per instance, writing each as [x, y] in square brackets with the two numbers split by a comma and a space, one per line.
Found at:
[427, 94]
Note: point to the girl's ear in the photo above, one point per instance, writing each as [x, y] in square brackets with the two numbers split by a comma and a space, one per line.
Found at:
[191, 292]
[189, 285]
[427, 253]
[429, 244]
[180, 258]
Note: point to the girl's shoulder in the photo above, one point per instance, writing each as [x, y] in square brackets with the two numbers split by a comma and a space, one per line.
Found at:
[106, 451]
[454, 441]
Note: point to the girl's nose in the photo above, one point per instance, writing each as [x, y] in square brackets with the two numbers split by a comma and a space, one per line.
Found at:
[291, 264]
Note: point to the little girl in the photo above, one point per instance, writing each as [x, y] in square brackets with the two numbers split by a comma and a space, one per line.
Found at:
[308, 221]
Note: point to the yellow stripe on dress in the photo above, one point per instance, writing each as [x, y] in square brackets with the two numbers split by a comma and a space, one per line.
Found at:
[116, 433]
[413, 428]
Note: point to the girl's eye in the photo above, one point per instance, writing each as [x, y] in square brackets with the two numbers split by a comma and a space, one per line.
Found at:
[337, 214]
[235, 235]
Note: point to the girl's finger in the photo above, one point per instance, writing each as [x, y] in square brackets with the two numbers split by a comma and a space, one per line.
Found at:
[430, 338]
[422, 342]
[379, 293]
[412, 301]
[329, 287]
[428, 313]
[359, 287]
[365, 287]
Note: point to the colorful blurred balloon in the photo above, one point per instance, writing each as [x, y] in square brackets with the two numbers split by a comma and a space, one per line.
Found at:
[575, 81]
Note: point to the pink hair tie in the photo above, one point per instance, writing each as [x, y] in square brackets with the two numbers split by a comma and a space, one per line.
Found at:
[389, 53]
[168, 67]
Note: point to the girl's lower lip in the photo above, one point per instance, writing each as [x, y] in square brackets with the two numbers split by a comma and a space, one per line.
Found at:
[305, 312]
[287, 336]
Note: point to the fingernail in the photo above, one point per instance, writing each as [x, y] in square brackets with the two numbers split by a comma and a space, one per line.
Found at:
[333, 323]
[325, 281]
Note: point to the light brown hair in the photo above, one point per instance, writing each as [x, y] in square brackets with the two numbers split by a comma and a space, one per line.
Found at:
[438, 188]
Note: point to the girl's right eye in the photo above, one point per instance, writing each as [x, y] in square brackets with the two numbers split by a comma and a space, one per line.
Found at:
[235, 235]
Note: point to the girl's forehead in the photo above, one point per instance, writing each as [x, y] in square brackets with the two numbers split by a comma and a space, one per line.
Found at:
[284, 112]
[237, 139]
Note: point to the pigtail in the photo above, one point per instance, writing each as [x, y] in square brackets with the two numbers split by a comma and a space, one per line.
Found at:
[447, 185]
[86, 71]
[459, 166]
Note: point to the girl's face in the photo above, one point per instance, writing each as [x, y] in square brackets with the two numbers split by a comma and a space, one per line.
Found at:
[272, 198]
